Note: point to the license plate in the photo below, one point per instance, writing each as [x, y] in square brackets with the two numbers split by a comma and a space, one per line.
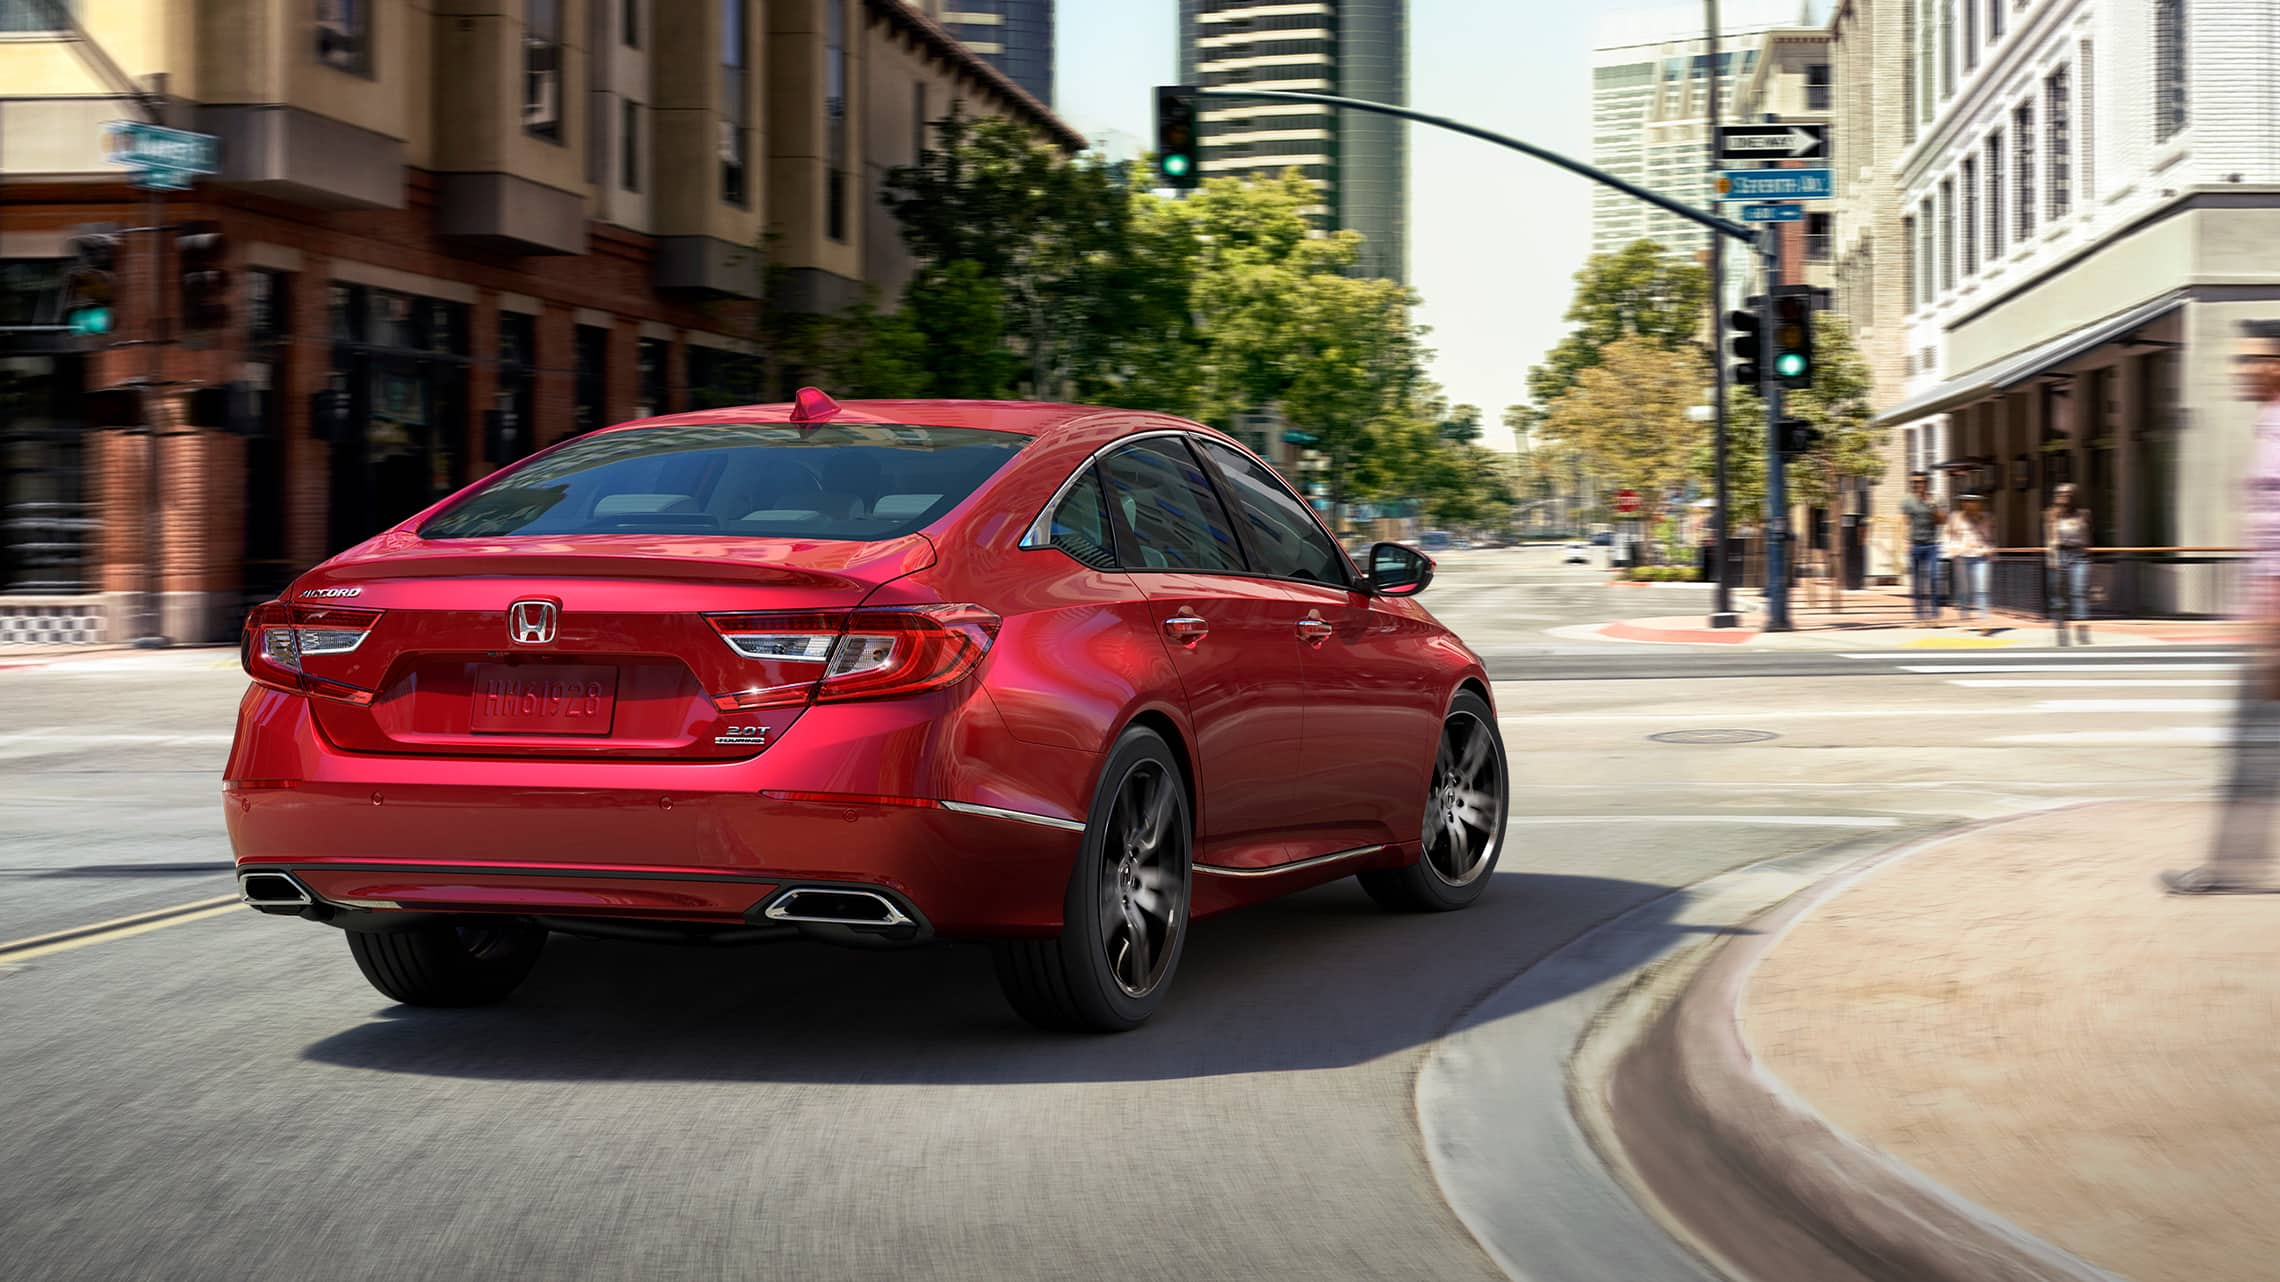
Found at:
[542, 699]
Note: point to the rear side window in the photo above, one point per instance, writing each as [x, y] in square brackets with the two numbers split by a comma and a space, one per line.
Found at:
[1080, 523]
[1285, 539]
[860, 481]
[1174, 519]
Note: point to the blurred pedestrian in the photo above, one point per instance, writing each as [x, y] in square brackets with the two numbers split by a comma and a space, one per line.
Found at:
[1966, 541]
[2066, 551]
[1923, 546]
[2240, 859]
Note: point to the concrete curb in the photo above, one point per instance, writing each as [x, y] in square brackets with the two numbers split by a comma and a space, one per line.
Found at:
[1763, 1183]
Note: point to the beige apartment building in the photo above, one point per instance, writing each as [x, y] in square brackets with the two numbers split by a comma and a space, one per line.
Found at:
[455, 230]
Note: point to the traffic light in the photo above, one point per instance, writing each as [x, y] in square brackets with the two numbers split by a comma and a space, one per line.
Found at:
[1179, 144]
[1793, 335]
[90, 285]
[205, 285]
[1798, 437]
[1745, 325]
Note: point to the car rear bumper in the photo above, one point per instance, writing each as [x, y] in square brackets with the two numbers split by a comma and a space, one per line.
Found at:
[631, 840]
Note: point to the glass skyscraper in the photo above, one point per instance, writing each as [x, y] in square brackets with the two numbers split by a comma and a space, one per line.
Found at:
[1015, 36]
[1357, 48]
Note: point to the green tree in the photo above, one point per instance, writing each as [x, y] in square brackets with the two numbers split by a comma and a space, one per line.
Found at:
[1851, 447]
[1639, 291]
[1627, 415]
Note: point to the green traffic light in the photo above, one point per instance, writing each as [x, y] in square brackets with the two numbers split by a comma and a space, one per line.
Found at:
[91, 320]
[1789, 364]
[1176, 165]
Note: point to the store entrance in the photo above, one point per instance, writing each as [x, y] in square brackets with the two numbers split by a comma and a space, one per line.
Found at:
[403, 367]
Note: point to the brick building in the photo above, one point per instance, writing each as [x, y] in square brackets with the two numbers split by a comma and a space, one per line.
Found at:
[454, 232]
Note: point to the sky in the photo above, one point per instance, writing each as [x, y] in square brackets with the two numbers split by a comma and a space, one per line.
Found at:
[1495, 237]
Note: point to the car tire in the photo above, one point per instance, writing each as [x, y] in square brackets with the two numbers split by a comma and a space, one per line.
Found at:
[448, 963]
[1466, 803]
[1124, 921]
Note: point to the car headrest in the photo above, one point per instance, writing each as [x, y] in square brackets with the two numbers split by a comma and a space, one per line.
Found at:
[634, 504]
[902, 507]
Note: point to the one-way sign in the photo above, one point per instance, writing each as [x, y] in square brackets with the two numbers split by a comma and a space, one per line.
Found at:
[1773, 142]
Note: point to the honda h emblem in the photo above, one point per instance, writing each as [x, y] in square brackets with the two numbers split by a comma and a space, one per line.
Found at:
[531, 622]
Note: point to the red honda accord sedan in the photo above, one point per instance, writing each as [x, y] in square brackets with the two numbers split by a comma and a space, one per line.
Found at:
[1055, 677]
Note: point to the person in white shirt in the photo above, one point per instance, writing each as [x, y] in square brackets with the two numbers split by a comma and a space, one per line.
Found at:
[2240, 860]
[1965, 540]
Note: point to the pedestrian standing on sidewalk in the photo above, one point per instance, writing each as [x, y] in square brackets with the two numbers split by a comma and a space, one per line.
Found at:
[2240, 859]
[2066, 548]
[1923, 546]
[1965, 540]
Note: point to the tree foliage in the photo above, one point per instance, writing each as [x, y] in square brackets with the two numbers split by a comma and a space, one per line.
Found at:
[1851, 448]
[1639, 291]
[1627, 415]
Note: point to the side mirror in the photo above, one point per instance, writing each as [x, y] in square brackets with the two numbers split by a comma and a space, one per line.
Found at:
[1393, 570]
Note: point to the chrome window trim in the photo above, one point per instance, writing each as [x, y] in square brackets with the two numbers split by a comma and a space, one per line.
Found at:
[1019, 816]
[1040, 531]
[1272, 869]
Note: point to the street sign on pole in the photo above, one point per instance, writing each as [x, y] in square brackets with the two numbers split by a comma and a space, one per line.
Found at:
[1773, 142]
[1626, 501]
[1776, 184]
[1773, 213]
[163, 159]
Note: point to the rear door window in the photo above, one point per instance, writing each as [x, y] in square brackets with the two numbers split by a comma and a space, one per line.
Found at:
[766, 480]
[1170, 518]
[1080, 522]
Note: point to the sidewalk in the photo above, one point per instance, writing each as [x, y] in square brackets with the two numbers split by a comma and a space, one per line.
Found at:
[2019, 1015]
[1884, 619]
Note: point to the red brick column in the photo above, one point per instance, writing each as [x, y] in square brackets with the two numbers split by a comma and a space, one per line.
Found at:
[482, 379]
[622, 385]
[557, 388]
[308, 461]
[677, 373]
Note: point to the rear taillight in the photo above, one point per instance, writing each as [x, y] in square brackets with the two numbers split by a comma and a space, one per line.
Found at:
[868, 654]
[278, 637]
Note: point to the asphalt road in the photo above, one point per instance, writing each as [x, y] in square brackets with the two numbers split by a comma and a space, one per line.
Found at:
[222, 1096]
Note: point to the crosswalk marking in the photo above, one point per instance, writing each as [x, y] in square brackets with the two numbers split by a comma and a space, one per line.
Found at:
[1951, 669]
[2133, 705]
[2103, 683]
[2021, 657]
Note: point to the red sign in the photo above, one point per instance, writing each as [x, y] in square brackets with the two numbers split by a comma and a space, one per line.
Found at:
[1626, 501]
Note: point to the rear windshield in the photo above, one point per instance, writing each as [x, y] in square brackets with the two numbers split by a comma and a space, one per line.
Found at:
[859, 481]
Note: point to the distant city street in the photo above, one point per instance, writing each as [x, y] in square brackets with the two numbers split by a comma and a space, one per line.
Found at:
[801, 1111]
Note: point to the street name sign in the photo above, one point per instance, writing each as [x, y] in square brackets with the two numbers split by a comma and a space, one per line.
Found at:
[1773, 142]
[1776, 184]
[162, 158]
[1773, 213]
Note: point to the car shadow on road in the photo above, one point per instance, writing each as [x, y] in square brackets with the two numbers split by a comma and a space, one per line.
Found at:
[1322, 979]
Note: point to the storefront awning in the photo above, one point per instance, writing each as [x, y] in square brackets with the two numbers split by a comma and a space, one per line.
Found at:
[2002, 375]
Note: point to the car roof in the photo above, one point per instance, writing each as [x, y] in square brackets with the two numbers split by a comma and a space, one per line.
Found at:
[1030, 418]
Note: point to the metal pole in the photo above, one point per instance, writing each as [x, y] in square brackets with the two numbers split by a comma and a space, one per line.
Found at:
[1722, 613]
[153, 635]
[1776, 483]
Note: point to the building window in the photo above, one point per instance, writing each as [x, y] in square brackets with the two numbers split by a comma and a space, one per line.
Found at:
[1817, 237]
[1908, 80]
[629, 145]
[1969, 232]
[1947, 48]
[2058, 112]
[1994, 20]
[518, 387]
[1947, 234]
[735, 140]
[344, 32]
[649, 357]
[590, 379]
[2169, 96]
[1995, 195]
[1817, 86]
[2023, 166]
[917, 121]
[2085, 176]
[835, 118]
[629, 23]
[1970, 34]
[542, 70]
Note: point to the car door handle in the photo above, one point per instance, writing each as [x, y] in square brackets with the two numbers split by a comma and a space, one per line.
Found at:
[1186, 627]
[1314, 629]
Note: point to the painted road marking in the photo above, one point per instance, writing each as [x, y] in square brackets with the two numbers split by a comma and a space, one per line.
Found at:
[2135, 705]
[2159, 736]
[1788, 821]
[2020, 658]
[2103, 683]
[1949, 669]
[1961, 643]
[116, 928]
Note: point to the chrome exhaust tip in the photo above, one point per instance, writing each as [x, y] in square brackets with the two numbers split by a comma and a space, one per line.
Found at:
[836, 906]
[280, 893]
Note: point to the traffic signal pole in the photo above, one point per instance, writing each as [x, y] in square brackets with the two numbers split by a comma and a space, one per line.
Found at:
[1776, 461]
[1768, 243]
